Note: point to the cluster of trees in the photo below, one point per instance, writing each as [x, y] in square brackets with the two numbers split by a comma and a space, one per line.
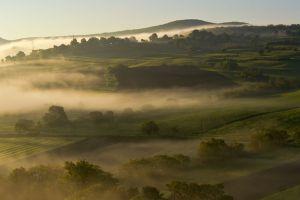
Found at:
[56, 118]
[18, 57]
[196, 41]
[83, 180]
[265, 31]
[216, 150]
[267, 139]
[210, 152]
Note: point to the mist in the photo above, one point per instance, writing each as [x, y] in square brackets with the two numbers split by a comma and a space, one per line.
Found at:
[23, 94]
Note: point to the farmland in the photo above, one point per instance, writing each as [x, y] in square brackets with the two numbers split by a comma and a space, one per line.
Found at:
[14, 148]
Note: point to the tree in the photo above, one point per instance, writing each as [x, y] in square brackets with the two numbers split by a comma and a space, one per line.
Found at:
[84, 174]
[150, 128]
[8, 58]
[74, 42]
[20, 55]
[24, 125]
[56, 117]
[83, 41]
[153, 37]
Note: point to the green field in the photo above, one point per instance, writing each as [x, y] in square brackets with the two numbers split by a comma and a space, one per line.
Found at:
[14, 148]
[289, 194]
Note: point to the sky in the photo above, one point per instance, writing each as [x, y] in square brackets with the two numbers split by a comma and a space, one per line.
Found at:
[30, 18]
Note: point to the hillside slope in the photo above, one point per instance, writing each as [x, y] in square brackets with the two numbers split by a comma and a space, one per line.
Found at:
[168, 77]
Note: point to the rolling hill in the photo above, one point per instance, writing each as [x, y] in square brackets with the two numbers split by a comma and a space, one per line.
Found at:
[3, 41]
[175, 25]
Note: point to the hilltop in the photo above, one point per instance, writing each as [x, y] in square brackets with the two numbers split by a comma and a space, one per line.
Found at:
[171, 26]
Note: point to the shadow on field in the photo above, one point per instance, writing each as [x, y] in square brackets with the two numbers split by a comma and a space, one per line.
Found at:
[265, 183]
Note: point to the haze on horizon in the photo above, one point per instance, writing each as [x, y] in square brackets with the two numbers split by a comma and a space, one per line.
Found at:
[32, 18]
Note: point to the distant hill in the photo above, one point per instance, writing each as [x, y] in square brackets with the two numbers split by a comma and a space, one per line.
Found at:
[3, 41]
[175, 25]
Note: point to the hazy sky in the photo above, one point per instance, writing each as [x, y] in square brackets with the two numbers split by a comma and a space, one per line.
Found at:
[26, 18]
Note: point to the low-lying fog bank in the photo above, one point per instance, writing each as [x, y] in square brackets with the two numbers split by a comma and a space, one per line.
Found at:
[15, 99]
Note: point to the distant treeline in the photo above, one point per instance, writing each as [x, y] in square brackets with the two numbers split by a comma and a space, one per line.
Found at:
[196, 41]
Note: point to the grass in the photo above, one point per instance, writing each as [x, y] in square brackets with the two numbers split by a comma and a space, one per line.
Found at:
[289, 194]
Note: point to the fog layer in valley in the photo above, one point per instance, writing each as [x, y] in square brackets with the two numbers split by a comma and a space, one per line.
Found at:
[26, 93]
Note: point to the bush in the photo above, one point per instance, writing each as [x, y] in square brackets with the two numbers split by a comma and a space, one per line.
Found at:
[218, 150]
[269, 138]
[150, 128]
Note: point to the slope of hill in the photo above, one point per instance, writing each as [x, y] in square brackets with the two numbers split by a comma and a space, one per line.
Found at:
[168, 77]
